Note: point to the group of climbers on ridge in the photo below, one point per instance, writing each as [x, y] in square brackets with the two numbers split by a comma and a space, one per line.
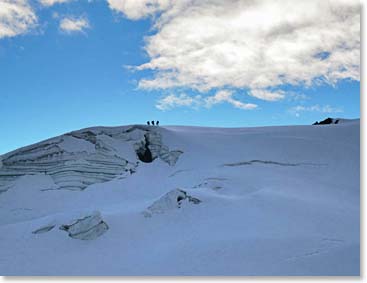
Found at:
[152, 123]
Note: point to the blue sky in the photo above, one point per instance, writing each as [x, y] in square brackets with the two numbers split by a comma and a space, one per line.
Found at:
[68, 68]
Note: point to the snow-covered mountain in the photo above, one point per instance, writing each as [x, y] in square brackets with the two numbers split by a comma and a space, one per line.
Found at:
[145, 200]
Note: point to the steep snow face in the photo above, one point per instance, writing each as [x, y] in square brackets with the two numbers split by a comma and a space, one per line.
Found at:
[81, 158]
[243, 201]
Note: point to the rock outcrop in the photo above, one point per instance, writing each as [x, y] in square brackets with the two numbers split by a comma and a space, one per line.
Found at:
[327, 121]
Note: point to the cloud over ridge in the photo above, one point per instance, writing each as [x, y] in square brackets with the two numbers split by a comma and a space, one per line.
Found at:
[296, 110]
[222, 96]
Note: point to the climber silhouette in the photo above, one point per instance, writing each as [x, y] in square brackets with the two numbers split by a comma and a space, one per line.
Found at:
[157, 123]
[148, 123]
[153, 123]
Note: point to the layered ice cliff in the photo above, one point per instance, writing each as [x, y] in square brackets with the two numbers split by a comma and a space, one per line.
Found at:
[94, 155]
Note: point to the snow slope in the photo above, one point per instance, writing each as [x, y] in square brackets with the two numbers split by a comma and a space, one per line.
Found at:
[213, 201]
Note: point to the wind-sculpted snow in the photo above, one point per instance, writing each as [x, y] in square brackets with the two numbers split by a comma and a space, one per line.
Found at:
[171, 200]
[211, 183]
[81, 158]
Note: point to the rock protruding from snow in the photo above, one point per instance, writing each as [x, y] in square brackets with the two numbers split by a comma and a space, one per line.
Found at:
[152, 147]
[171, 200]
[87, 228]
[327, 121]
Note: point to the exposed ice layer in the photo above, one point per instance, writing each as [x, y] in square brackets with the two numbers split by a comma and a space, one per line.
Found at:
[152, 147]
[87, 228]
[81, 158]
[74, 170]
[44, 229]
[171, 200]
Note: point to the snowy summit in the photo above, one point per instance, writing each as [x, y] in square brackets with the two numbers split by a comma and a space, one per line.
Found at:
[148, 200]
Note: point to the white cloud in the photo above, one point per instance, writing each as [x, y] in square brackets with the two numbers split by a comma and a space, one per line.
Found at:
[172, 101]
[72, 25]
[227, 96]
[295, 96]
[16, 17]
[267, 95]
[248, 44]
[223, 96]
[49, 3]
[314, 108]
[137, 9]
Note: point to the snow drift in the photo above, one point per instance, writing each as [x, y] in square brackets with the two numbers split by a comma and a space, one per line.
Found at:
[140, 200]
